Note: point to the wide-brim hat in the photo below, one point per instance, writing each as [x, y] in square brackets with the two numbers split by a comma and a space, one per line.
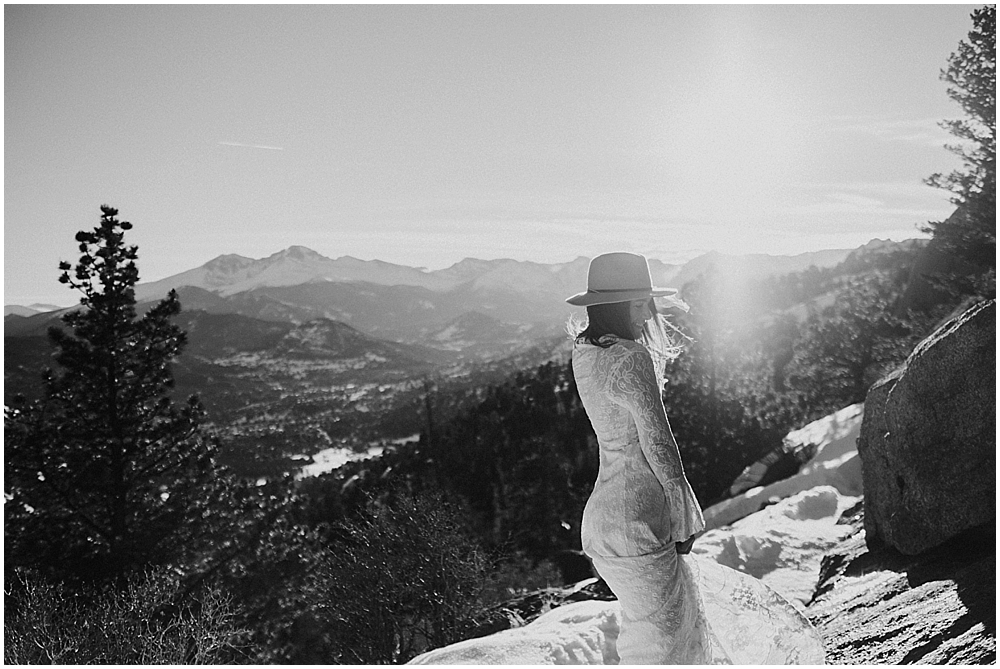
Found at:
[618, 277]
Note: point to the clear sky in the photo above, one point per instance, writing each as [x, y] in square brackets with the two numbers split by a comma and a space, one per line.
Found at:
[422, 135]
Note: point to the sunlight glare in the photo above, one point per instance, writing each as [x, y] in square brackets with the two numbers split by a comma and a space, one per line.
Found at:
[733, 138]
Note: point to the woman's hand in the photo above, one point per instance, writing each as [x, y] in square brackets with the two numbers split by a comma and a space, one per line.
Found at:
[684, 547]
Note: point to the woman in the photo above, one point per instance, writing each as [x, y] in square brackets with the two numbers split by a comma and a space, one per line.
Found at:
[642, 517]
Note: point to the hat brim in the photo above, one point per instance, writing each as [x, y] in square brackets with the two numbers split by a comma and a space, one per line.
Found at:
[590, 298]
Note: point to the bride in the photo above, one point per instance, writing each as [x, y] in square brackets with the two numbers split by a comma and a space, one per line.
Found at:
[642, 517]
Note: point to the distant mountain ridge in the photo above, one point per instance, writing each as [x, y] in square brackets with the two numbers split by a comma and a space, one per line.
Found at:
[229, 275]
[759, 265]
[30, 310]
[523, 300]
[232, 274]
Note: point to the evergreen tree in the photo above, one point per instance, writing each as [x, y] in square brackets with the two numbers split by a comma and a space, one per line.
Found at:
[105, 472]
[970, 233]
[849, 345]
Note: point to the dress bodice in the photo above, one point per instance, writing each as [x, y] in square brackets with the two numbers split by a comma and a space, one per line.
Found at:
[642, 500]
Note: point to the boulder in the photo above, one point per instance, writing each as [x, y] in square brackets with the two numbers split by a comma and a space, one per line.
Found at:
[928, 438]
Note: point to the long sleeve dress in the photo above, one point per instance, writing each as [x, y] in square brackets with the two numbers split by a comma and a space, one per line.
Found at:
[676, 609]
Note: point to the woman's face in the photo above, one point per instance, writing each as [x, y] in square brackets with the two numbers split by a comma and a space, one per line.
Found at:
[639, 313]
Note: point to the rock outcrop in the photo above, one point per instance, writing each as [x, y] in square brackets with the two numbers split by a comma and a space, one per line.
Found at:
[878, 606]
[928, 439]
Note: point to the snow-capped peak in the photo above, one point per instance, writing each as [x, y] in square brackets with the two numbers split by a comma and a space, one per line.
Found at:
[228, 263]
[300, 253]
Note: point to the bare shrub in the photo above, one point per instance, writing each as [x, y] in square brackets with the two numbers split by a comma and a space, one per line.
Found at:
[143, 621]
[404, 578]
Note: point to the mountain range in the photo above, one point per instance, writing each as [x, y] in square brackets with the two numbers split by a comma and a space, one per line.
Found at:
[296, 352]
[504, 301]
[229, 275]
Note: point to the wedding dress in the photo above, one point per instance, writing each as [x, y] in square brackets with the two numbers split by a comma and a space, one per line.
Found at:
[676, 609]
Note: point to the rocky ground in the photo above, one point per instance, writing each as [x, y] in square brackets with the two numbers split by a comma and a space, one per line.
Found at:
[878, 606]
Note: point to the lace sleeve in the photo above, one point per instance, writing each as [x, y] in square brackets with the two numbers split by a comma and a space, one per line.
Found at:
[632, 384]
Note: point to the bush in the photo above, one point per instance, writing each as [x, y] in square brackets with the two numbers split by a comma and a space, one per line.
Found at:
[145, 621]
[403, 578]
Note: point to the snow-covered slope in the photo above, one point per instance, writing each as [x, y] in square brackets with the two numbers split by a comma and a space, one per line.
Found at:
[784, 543]
[578, 633]
[835, 464]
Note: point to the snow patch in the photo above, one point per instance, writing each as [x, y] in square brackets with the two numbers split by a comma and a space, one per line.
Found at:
[784, 543]
[446, 334]
[332, 458]
[834, 434]
[578, 633]
[813, 505]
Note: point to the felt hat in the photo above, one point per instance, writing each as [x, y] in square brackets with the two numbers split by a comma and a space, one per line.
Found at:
[618, 277]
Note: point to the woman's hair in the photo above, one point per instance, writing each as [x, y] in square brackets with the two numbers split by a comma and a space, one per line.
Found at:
[659, 335]
[607, 319]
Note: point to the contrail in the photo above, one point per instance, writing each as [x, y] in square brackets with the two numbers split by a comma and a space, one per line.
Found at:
[254, 146]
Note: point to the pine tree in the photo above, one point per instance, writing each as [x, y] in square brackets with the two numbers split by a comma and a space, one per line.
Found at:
[106, 473]
[970, 234]
[849, 345]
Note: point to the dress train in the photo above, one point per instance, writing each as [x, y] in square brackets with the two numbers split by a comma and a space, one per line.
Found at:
[686, 609]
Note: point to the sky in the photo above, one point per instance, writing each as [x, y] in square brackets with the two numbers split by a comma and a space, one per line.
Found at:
[422, 135]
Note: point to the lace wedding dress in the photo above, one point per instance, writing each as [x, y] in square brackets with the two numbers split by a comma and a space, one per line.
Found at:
[676, 609]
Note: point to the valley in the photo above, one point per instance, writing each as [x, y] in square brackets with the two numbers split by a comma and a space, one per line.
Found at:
[275, 391]
[269, 407]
